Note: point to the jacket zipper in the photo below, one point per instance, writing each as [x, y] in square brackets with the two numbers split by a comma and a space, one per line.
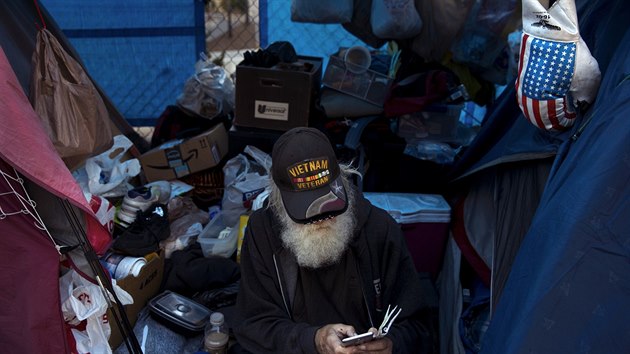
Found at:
[284, 299]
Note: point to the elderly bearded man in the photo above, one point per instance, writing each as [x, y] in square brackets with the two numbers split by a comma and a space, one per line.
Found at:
[320, 263]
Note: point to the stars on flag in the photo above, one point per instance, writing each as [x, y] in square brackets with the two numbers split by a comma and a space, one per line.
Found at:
[549, 70]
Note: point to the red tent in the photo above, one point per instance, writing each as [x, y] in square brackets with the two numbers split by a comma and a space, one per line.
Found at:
[30, 309]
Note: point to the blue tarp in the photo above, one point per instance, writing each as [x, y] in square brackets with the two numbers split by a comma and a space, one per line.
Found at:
[140, 52]
[568, 290]
[313, 39]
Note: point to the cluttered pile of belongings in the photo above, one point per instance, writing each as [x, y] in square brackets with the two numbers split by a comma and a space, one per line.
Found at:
[505, 118]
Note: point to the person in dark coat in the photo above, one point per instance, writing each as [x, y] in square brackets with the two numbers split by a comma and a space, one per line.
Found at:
[319, 263]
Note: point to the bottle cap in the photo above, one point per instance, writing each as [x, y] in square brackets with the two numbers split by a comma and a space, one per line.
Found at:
[216, 318]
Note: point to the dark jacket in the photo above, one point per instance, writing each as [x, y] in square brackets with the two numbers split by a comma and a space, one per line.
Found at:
[268, 281]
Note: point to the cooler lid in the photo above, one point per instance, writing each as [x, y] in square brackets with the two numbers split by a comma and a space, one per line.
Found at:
[408, 208]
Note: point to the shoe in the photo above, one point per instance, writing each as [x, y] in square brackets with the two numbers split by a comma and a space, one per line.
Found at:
[125, 218]
[162, 189]
[137, 199]
[144, 234]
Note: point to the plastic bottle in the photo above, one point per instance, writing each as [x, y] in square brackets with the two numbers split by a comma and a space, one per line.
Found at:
[216, 335]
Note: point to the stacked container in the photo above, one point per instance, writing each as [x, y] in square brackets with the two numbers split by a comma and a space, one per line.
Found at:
[424, 219]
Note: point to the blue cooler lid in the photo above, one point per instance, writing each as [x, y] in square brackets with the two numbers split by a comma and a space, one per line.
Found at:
[409, 208]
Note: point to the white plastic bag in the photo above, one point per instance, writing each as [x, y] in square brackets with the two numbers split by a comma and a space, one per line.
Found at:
[245, 176]
[81, 301]
[104, 210]
[209, 92]
[322, 11]
[395, 19]
[106, 175]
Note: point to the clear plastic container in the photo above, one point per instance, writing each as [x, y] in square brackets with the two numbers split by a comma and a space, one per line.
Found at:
[216, 240]
[356, 81]
[434, 123]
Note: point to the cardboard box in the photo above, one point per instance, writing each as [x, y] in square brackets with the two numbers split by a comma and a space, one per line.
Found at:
[279, 98]
[178, 158]
[424, 220]
[142, 288]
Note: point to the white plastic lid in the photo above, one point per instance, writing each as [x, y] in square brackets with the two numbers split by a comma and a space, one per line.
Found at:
[408, 208]
[216, 319]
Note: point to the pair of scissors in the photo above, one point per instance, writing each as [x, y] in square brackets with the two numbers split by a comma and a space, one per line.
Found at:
[388, 320]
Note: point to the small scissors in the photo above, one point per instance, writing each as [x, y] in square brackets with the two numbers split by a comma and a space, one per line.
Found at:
[388, 320]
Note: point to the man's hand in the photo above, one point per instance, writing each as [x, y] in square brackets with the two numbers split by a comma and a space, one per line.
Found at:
[328, 338]
[328, 341]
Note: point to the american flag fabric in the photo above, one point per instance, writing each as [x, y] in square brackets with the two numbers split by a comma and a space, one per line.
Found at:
[545, 72]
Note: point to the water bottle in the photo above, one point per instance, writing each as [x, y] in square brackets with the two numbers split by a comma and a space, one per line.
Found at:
[216, 335]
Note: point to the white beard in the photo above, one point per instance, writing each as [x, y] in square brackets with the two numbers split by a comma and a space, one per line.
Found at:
[319, 244]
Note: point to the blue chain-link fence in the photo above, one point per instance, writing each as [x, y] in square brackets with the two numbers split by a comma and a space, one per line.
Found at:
[141, 52]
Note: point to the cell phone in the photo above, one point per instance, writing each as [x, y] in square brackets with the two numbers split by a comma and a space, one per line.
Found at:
[358, 339]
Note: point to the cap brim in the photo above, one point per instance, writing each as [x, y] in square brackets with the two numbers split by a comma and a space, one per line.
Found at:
[304, 206]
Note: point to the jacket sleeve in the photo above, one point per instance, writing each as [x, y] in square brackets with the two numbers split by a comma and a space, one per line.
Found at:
[264, 324]
[413, 330]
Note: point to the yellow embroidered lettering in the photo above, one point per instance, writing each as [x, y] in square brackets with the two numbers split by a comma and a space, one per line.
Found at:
[321, 181]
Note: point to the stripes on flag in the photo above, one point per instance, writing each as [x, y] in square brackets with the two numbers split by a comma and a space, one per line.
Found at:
[545, 71]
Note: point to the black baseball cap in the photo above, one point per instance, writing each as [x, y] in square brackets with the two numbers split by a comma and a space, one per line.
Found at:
[306, 170]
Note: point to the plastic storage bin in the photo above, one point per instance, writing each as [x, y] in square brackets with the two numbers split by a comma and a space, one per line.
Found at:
[424, 219]
[211, 241]
[367, 85]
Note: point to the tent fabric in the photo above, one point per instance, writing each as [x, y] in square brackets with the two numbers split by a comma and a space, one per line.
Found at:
[30, 315]
[30, 263]
[450, 301]
[568, 288]
[25, 145]
[506, 136]
[603, 23]
[491, 219]
[518, 190]
[505, 145]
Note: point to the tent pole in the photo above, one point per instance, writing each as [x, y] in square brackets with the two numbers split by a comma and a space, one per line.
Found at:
[120, 316]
